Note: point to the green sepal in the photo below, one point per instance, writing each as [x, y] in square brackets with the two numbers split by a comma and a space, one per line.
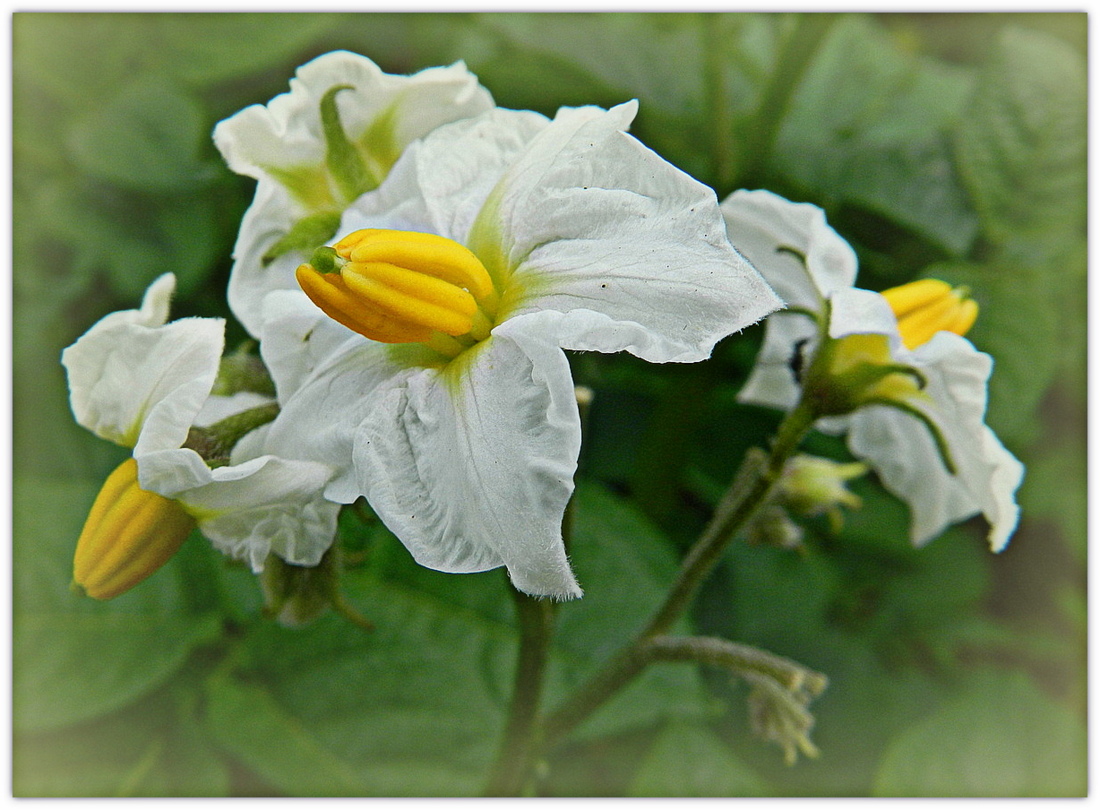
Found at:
[305, 236]
[215, 442]
[839, 394]
[243, 371]
[937, 435]
[295, 595]
[344, 162]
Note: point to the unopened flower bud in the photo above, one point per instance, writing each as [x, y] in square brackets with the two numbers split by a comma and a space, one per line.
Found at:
[128, 535]
[811, 486]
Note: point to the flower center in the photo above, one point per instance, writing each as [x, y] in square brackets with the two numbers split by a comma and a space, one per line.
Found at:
[403, 287]
[928, 306]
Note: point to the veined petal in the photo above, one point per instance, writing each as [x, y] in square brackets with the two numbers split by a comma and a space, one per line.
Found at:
[139, 383]
[297, 336]
[441, 183]
[904, 455]
[317, 421]
[472, 467]
[265, 505]
[612, 248]
[773, 233]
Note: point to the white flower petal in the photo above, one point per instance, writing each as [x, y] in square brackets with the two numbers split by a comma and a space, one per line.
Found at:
[296, 337]
[139, 383]
[440, 184]
[282, 145]
[902, 451]
[266, 505]
[761, 224]
[862, 312]
[789, 339]
[270, 217]
[287, 134]
[217, 408]
[616, 249]
[473, 470]
[318, 420]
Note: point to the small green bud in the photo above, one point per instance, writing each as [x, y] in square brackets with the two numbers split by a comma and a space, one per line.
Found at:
[811, 486]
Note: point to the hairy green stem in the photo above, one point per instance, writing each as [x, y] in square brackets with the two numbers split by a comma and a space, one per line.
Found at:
[746, 494]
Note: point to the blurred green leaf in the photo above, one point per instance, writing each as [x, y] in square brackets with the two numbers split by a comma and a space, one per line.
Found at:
[245, 720]
[868, 127]
[1055, 490]
[77, 658]
[1001, 736]
[1023, 313]
[206, 48]
[625, 567]
[147, 136]
[153, 748]
[691, 761]
[1022, 147]
[411, 709]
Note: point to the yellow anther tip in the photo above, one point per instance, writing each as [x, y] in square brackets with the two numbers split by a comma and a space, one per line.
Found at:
[402, 286]
[129, 534]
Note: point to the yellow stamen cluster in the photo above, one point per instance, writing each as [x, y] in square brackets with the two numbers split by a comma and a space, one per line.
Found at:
[402, 287]
[928, 306]
[128, 535]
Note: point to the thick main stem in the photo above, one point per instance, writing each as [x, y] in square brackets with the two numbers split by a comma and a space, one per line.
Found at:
[521, 737]
[747, 493]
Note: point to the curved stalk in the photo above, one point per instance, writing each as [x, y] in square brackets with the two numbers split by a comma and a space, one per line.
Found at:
[746, 494]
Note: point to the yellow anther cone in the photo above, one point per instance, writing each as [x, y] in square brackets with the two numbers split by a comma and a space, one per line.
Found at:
[928, 306]
[400, 286]
[128, 535]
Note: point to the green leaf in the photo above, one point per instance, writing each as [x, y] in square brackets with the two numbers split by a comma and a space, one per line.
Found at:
[146, 137]
[246, 721]
[868, 127]
[625, 567]
[1023, 311]
[692, 761]
[74, 658]
[411, 709]
[153, 748]
[1000, 737]
[1021, 149]
[416, 707]
[206, 48]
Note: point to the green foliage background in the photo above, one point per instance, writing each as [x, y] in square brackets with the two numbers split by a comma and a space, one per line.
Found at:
[945, 145]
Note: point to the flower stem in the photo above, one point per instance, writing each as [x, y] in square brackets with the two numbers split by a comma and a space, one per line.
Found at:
[749, 490]
[521, 738]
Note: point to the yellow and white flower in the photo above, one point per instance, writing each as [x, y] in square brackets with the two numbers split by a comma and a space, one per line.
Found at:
[892, 370]
[314, 149]
[429, 367]
[144, 383]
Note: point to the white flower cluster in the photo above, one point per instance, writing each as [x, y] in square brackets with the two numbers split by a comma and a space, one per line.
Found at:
[464, 439]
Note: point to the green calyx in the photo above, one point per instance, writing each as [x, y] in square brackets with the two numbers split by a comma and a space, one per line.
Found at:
[305, 236]
[343, 160]
[215, 442]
